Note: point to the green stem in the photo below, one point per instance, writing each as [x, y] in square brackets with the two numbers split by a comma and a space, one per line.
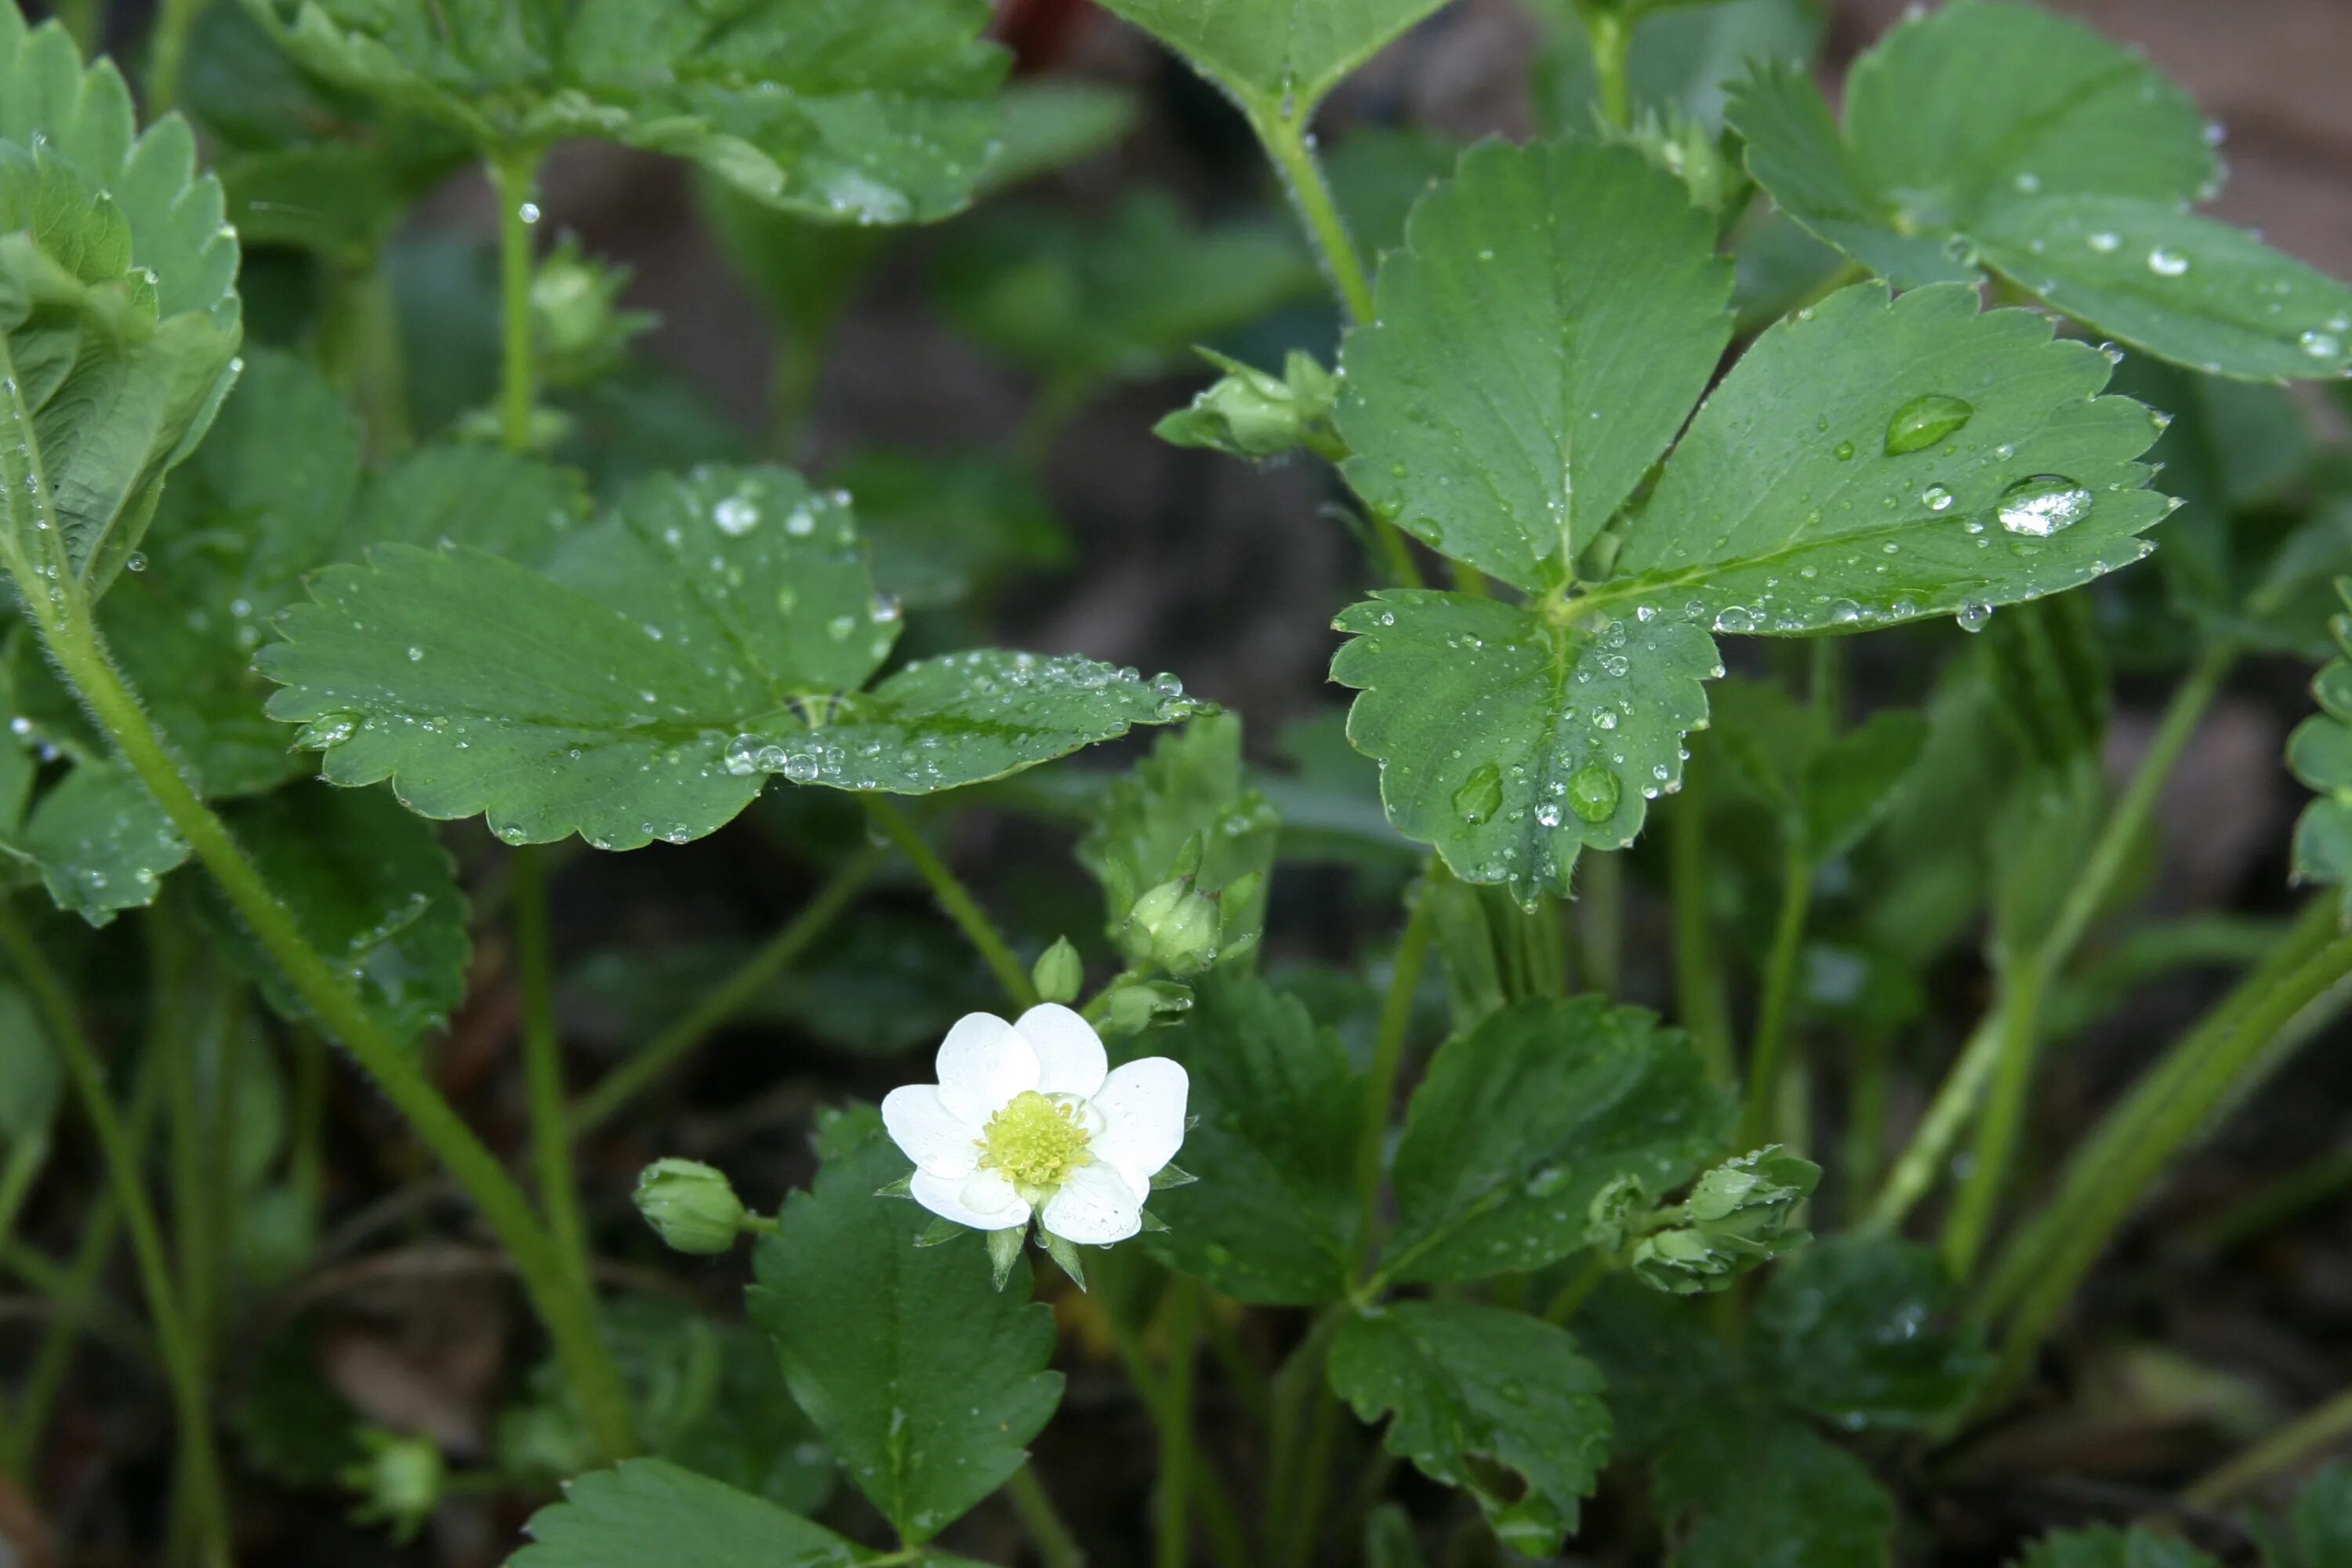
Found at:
[1051, 408]
[28, 1156]
[1388, 1056]
[2276, 1201]
[1056, 1547]
[2107, 1180]
[1173, 1412]
[1282, 129]
[1597, 1266]
[542, 1061]
[167, 51]
[799, 361]
[1599, 919]
[358, 347]
[1207, 1491]
[84, 22]
[1764, 1062]
[1978, 1195]
[514, 176]
[1300, 1378]
[1315, 1475]
[184, 1365]
[1866, 1119]
[2317, 1430]
[729, 996]
[306, 1167]
[1611, 36]
[956, 900]
[1698, 979]
[1994, 1045]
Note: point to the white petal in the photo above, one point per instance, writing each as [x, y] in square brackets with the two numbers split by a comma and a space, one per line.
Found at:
[1095, 1205]
[1142, 1110]
[983, 1200]
[929, 1133]
[1070, 1058]
[982, 1064]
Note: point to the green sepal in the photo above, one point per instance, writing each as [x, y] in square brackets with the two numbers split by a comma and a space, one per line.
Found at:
[1171, 1175]
[1004, 1252]
[1064, 1254]
[940, 1230]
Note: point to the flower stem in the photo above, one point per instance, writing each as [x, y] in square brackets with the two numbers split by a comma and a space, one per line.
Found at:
[183, 1363]
[956, 900]
[1056, 1547]
[1180, 1322]
[1948, 1115]
[542, 1061]
[1611, 36]
[1388, 1055]
[2115, 1167]
[2286, 1450]
[514, 176]
[1978, 1195]
[729, 998]
[167, 51]
[1698, 982]
[358, 347]
[1599, 919]
[1765, 1061]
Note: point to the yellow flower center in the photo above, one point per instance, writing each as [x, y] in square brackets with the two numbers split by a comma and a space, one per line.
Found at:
[1037, 1143]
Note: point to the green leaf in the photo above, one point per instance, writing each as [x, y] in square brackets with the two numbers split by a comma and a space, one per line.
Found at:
[1049, 124]
[117, 299]
[650, 1510]
[1277, 1104]
[1681, 61]
[1863, 1331]
[1556, 310]
[1184, 811]
[924, 1377]
[1476, 1389]
[1826, 791]
[372, 890]
[2065, 163]
[1521, 1121]
[1509, 741]
[93, 838]
[1276, 56]
[2316, 1530]
[2104, 1546]
[2193, 290]
[1755, 1488]
[1121, 296]
[1378, 171]
[480, 498]
[712, 630]
[809, 107]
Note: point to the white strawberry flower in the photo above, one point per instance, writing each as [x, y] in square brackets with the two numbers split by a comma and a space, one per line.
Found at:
[1027, 1120]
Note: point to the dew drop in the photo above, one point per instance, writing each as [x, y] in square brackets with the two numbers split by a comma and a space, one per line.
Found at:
[2318, 345]
[1481, 795]
[1973, 617]
[1843, 451]
[1592, 794]
[2166, 263]
[2044, 504]
[1936, 497]
[1926, 420]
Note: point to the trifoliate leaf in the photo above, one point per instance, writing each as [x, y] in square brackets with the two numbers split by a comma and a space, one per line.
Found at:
[1476, 1388]
[1745, 1488]
[2319, 754]
[117, 299]
[1734, 1220]
[1184, 813]
[1125, 295]
[2104, 1546]
[651, 1510]
[1520, 1123]
[1863, 1331]
[807, 107]
[1277, 1107]
[372, 890]
[1276, 56]
[711, 631]
[925, 1378]
[2065, 163]
[1554, 313]
[1510, 741]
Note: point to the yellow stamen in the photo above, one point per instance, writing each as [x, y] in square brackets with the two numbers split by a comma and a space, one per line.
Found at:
[1036, 1143]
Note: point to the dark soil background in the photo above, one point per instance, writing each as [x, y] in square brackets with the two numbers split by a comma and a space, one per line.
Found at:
[1187, 562]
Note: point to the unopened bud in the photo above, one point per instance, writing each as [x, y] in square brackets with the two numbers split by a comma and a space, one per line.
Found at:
[1059, 972]
[690, 1205]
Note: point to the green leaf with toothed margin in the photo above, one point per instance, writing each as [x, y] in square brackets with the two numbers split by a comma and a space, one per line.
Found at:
[1476, 1389]
[2319, 754]
[1555, 311]
[711, 631]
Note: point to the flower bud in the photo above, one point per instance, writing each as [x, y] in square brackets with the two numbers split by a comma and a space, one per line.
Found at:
[1060, 972]
[399, 1480]
[1140, 935]
[1251, 414]
[690, 1205]
[1135, 1007]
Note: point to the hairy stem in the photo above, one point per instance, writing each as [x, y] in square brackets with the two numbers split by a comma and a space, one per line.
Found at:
[956, 900]
[514, 176]
[542, 1061]
[183, 1362]
[723, 1001]
[1611, 36]
[1765, 1060]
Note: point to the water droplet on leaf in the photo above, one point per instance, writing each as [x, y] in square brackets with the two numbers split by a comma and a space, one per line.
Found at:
[1926, 420]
